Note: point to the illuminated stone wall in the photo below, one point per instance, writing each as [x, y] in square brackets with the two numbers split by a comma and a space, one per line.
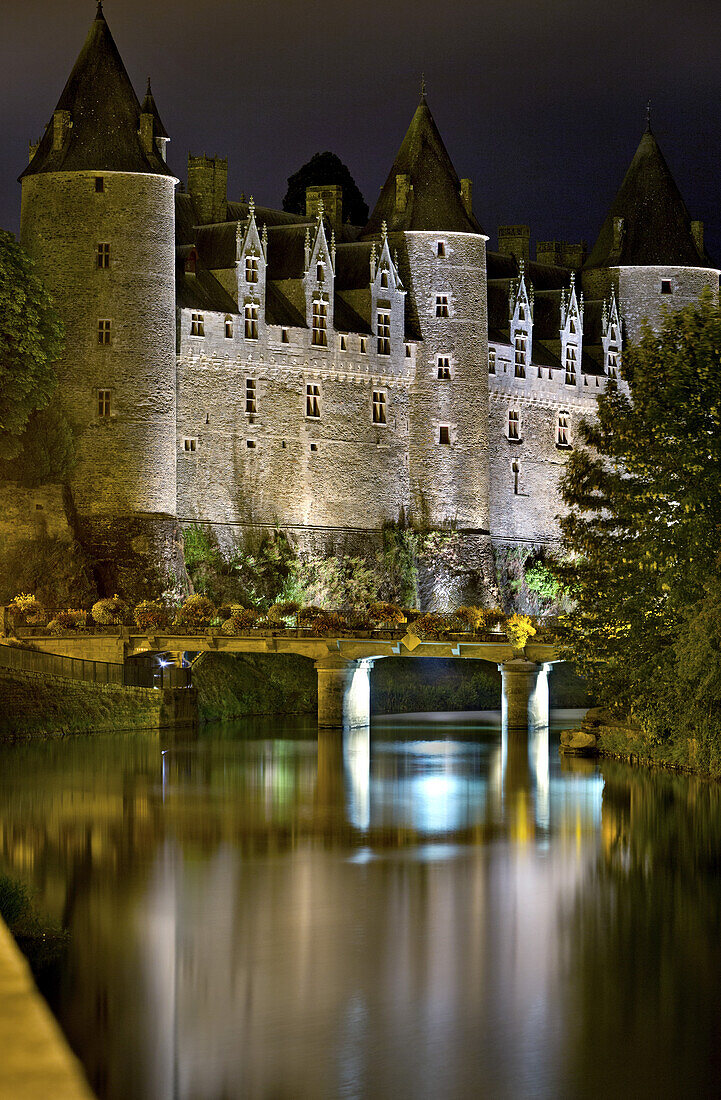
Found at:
[640, 293]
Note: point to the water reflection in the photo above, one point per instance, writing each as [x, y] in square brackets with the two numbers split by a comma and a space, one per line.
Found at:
[436, 910]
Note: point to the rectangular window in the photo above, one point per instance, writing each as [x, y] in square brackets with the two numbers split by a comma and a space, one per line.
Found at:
[312, 400]
[384, 333]
[514, 424]
[344, 343]
[102, 255]
[284, 336]
[251, 269]
[228, 328]
[379, 407]
[442, 305]
[251, 322]
[314, 447]
[104, 403]
[99, 184]
[320, 324]
[520, 354]
[444, 367]
[197, 324]
[562, 436]
[251, 403]
[613, 364]
[190, 445]
[491, 360]
[250, 444]
[570, 366]
[515, 470]
[104, 332]
[408, 351]
[363, 345]
[444, 434]
[441, 248]
[666, 287]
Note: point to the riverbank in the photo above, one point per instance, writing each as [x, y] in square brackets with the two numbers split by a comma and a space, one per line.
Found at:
[602, 734]
[40, 706]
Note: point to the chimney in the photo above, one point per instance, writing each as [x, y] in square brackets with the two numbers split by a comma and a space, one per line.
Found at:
[697, 234]
[618, 231]
[549, 252]
[573, 255]
[403, 190]
[515, 240]
[61, 128]
[208, 184]
[467, 196]
[332, 196]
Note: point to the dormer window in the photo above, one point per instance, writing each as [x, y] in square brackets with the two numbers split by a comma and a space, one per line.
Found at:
[613, 358]
[320, 273]
[520, 352]
[251, 322]
[384, 333]
[384, 280]
[251, 269]
[320, 325]
[570, 366]
[521, 312]
[572, 327]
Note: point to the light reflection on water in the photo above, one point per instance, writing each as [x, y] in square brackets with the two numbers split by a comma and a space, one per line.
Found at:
[429, 913]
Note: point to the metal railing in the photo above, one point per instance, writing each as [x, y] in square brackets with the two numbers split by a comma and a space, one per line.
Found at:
[97, 672]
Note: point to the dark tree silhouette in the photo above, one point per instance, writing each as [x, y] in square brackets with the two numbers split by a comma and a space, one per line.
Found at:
[323, 168]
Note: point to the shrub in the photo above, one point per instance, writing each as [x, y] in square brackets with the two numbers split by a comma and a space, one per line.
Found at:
[242, 619]
[474, 617]
[542, 580]
[322, 622]
[386, 613]
[495, 617]
[150, 614]
[54, 627]
[27, 607]
[519, 629]
[358, 620]
[110, 612]
[197, 611]
[71, 619]
[280, 613]
[430, 626]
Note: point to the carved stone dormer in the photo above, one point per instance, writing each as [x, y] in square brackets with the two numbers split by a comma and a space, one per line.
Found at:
[251, 263]
[611, 337]
[520, 313]
[571, 333]
[387, 300]
[318, 280]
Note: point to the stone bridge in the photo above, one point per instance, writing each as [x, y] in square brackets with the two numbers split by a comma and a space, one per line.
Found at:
[343, 663]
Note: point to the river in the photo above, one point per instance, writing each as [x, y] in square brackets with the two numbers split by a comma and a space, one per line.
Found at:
[433, 912]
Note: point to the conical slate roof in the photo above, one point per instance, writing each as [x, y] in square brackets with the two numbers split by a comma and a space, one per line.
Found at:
[104, 112]
[149, 108]
[435, 199]
[656, 223]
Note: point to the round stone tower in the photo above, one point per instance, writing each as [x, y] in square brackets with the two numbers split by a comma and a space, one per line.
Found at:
[442, 253]
[98, 218]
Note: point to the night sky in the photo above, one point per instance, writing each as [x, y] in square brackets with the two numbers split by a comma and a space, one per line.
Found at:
[540, 102]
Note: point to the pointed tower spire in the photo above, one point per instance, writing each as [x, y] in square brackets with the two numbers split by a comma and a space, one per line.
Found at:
[99, 12]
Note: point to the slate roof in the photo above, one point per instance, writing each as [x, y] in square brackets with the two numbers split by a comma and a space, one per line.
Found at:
[199, 290]
[149, 108]
[657, 225]
[105, 115]
[435, 199]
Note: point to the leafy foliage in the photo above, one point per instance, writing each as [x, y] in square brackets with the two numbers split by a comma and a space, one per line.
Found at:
[111, 612]
[324, 168]
[30, 342]
[197, 611]
[519, 630]
[150, 615]
[644, 524]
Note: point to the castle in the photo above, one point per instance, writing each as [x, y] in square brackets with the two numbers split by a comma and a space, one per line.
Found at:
[236, 365]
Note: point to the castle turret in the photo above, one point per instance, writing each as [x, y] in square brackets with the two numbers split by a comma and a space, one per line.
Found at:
[98, 219]
[648, 252]
[443, 266]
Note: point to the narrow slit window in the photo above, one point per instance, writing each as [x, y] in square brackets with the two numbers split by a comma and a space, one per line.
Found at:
[515, 470]
[442, 305]
[250, 314]
[99, 184]
[197, 324]
[251, 269]
[284, 336]
[379, 407]
[104, 332]
[514, 424]
[384, 333]
[320, 324]
[444, 434]
[444, 368]
[102, 256]
[363, 345]
[312, 400]
[491, 360]
[228, 328]
[104, 404]
[344, 343]
[441, 248]
[251, 402]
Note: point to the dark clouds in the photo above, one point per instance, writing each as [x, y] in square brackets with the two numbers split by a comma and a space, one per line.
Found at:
[541, 102]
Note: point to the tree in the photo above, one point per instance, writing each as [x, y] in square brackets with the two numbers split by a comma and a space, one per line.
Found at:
[30, 342]
[324, 168]
[644, 519]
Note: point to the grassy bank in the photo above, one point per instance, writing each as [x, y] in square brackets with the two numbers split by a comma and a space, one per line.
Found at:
[232, 686]
[617, 739]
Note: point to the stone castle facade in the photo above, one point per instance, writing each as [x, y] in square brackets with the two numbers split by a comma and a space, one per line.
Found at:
[236, 365]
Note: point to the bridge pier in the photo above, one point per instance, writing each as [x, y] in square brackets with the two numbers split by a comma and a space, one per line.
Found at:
[524, 694]
[344, 692]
